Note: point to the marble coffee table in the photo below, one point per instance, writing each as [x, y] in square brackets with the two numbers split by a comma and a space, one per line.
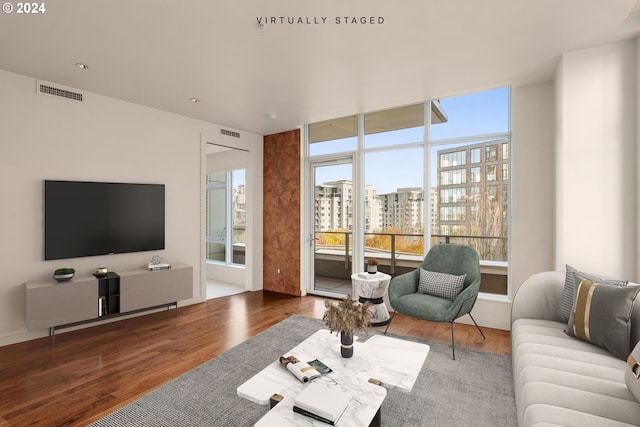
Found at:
[391, 362]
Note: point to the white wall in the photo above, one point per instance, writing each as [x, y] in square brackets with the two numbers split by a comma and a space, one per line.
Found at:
[532, 182]
[251, 275]
[101, 139]
[596, 204]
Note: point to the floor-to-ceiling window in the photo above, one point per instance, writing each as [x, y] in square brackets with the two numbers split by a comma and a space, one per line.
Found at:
[456, 148]
[469, 177]
[393, 152]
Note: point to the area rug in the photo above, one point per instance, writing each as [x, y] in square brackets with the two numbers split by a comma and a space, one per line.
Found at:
[476, 389]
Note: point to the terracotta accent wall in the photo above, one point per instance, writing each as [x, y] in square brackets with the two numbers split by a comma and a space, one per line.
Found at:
[281, 221]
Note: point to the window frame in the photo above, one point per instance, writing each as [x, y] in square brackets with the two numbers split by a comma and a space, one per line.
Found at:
[500, 151]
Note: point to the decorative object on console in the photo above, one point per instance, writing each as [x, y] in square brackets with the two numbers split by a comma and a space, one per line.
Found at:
[346, 317]
[101, 271]
[158, 263]
[372, 266]
[64, 274]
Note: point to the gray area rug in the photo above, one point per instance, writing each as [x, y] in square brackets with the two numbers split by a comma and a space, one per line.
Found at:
[474, 390]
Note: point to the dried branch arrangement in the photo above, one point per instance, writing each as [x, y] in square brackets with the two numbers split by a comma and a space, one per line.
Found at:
[347, 316]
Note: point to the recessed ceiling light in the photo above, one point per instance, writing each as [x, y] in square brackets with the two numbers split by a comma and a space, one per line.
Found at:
[82, 65]
[194, 100]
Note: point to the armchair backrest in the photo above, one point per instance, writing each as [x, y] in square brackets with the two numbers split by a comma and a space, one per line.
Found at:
[454, 259]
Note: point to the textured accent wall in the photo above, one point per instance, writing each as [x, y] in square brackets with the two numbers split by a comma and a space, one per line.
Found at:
[282, 213]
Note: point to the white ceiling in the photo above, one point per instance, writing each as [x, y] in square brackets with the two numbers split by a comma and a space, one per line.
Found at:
[161, 53]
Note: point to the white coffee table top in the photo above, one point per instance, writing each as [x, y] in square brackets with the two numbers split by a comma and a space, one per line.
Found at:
[394, 362]
[366, 400]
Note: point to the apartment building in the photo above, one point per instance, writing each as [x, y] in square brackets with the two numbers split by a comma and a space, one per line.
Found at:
[473, 189]
[403, 210]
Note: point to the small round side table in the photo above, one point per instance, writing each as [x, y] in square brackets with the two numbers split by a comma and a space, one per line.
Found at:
[372, 288]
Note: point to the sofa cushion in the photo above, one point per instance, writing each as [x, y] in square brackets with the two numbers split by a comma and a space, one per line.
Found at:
[601, 315]
[440, 284]
[560, 380]
[568, 292]
[550, 415]
[596, 405]
[543, 343]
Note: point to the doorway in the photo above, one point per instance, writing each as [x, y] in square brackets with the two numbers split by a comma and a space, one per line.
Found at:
[331, 237]
[225, 221]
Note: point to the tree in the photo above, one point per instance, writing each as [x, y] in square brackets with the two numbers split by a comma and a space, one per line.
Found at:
[486, 220]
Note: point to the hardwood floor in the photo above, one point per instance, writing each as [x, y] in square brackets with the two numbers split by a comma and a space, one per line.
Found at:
[93, 371]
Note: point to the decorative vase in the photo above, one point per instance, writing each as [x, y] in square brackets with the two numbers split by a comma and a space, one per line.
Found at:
[346, 344]
[372, 269]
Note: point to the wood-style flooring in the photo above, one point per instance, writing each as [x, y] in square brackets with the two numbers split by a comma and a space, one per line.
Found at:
[90, 372]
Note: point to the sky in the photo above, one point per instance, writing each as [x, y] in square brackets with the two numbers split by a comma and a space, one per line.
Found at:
[478, 113]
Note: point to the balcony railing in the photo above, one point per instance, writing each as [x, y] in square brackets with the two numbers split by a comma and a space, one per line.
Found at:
[489, 248]
[334, 248]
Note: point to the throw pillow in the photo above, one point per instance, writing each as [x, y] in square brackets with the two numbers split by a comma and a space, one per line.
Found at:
[566, 299]
[602, 315]
[440, 284]
[632, 375]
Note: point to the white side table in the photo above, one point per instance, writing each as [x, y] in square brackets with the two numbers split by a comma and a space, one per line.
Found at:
[372, 288]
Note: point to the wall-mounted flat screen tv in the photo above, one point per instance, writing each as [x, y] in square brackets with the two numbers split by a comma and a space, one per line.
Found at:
[99, 218]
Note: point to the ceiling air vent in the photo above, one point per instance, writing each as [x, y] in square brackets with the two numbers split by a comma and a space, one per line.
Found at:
[48, 89]
[230, 133]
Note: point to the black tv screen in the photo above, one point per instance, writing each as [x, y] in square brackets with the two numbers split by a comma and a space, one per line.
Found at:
[100, 218]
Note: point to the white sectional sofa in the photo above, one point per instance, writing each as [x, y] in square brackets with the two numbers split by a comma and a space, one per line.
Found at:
[561, 380]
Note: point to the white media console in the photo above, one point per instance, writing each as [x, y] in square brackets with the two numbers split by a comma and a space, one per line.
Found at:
[55, 305]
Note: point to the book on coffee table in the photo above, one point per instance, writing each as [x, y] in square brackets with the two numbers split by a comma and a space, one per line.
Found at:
[321, 402]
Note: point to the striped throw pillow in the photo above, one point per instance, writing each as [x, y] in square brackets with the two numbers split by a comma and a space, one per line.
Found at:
[602, 315]
[566, 299]
[441, 285]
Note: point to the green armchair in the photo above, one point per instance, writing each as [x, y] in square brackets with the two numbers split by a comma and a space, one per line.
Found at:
[444, 258]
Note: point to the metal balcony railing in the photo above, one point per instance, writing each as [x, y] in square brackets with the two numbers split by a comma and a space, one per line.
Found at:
[489, 248]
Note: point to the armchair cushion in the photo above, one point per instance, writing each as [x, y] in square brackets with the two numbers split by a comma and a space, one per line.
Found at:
[441, 285]
[425, 307]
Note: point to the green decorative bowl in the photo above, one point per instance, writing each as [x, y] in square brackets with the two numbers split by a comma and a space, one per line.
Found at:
[63, 277]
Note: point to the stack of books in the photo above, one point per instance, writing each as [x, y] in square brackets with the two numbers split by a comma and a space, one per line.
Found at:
[323, 403]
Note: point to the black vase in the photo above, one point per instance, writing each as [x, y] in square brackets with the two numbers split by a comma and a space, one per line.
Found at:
[346, 344]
